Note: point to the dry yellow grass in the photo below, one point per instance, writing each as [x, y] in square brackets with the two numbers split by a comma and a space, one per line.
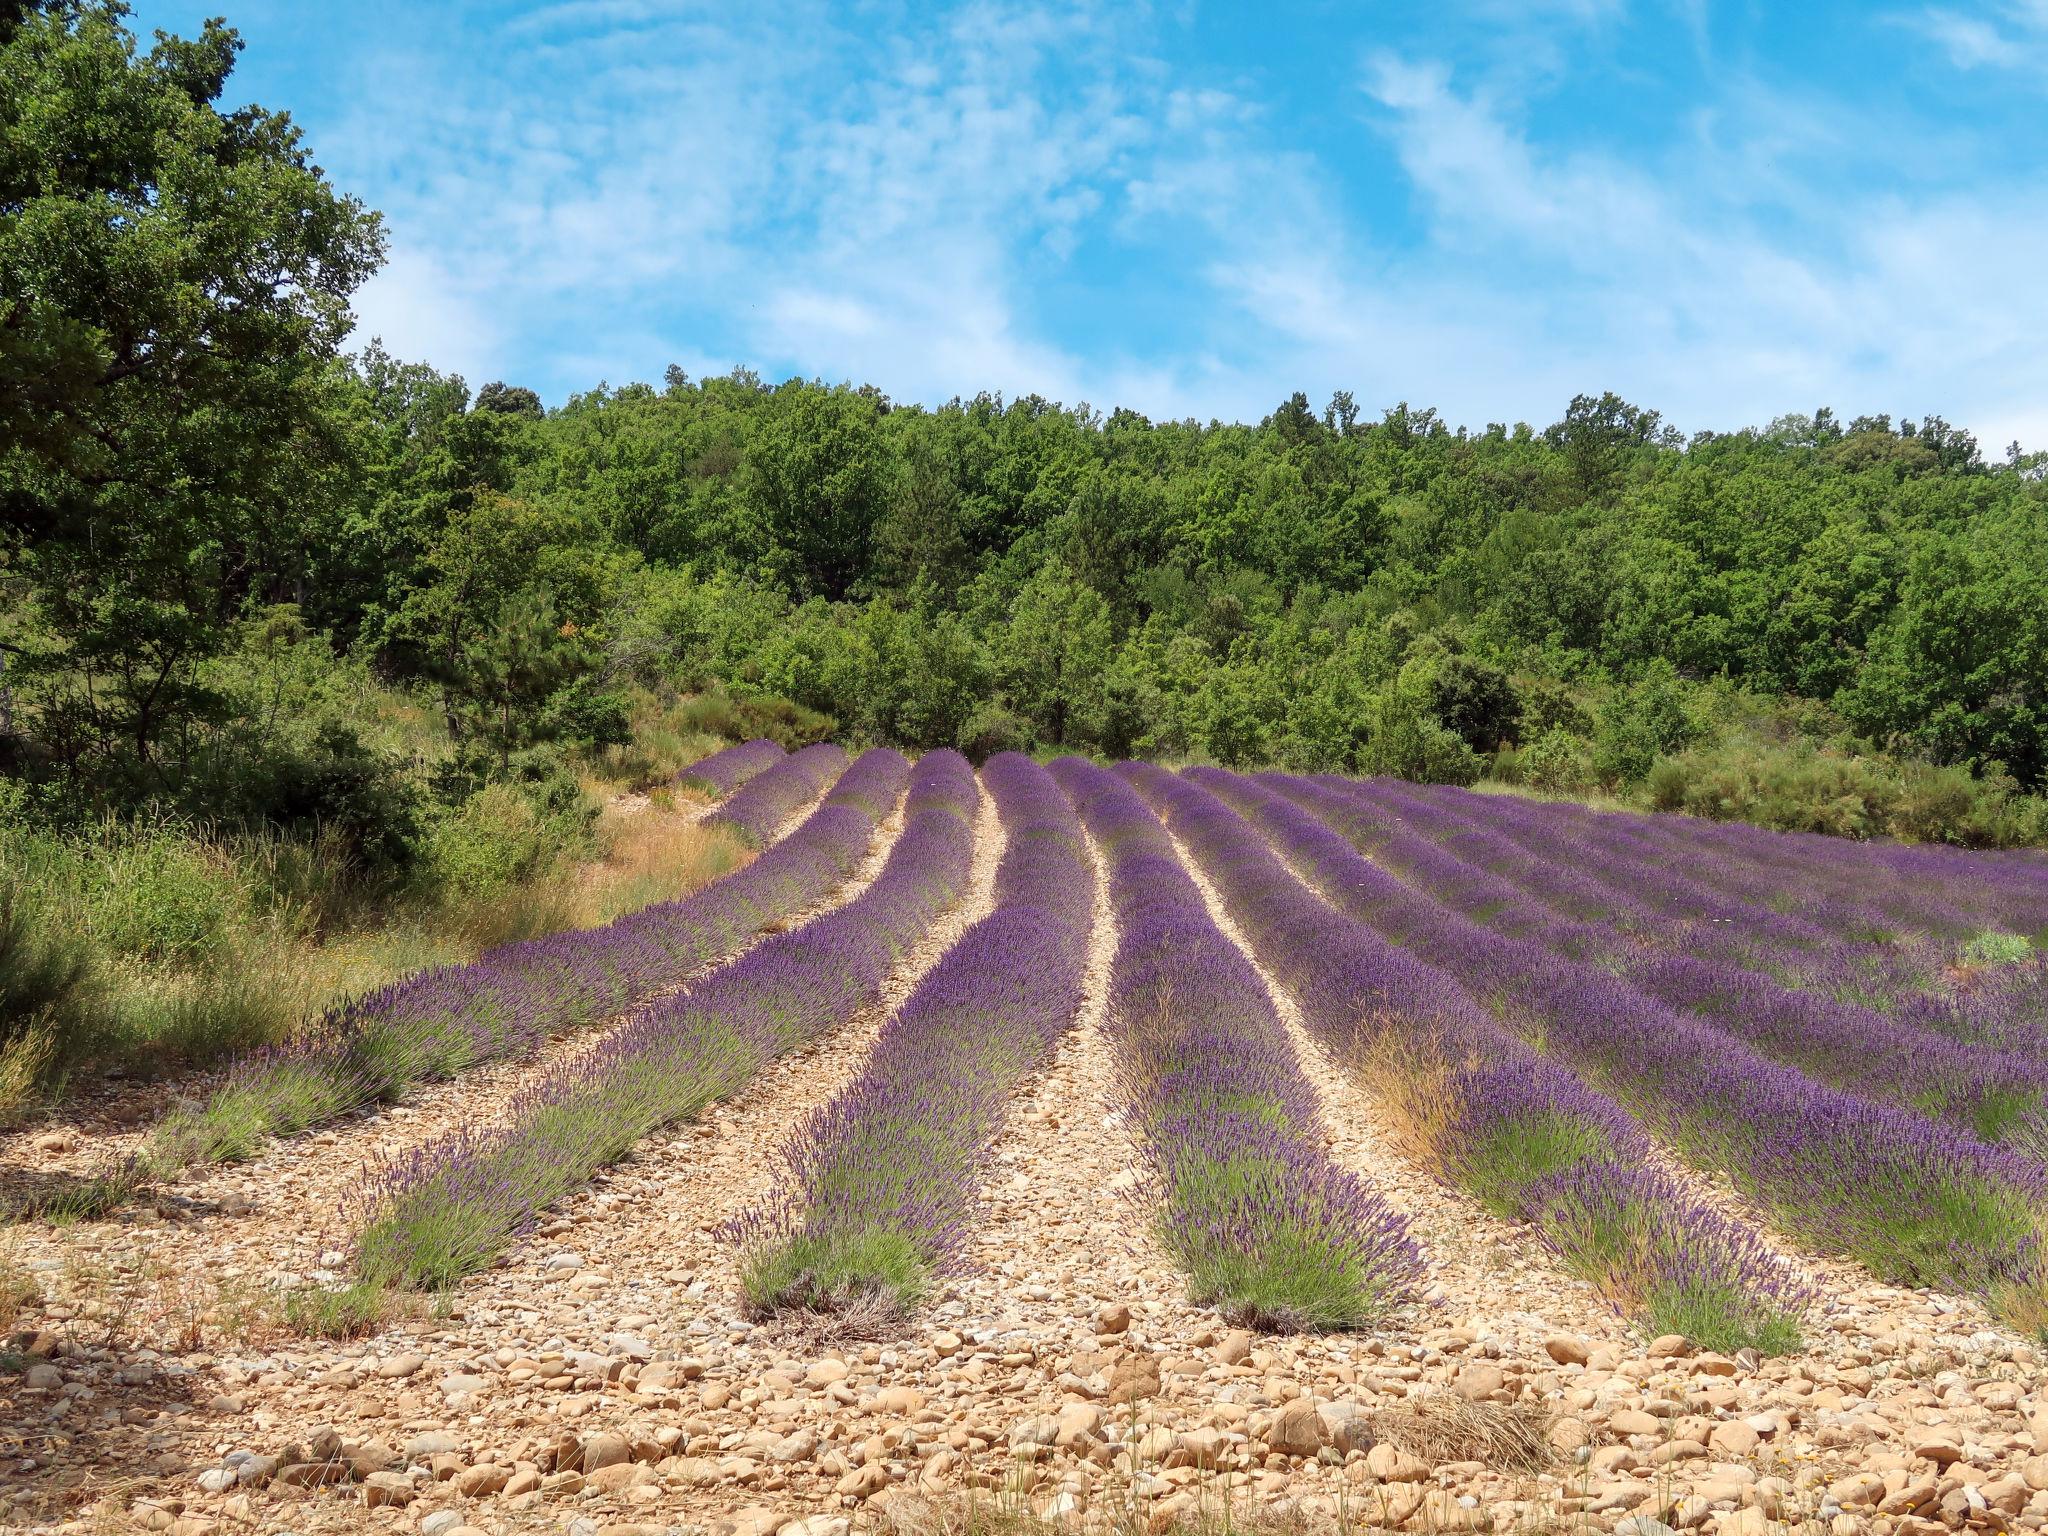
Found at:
[652, 853]
[1441, 1427]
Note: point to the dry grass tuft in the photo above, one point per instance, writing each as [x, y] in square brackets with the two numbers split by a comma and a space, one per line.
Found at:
[1416, 1096]
[652, 853]
[874, 1316]
[1440, 1427]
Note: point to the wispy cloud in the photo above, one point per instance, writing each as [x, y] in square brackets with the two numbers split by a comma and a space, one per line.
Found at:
[2008, 35]
[1079, 201]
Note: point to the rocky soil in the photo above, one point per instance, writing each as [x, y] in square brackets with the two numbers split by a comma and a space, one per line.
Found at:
[605, 1378]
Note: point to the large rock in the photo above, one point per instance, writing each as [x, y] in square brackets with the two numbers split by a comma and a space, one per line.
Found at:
[481, 1481]
[1295, 1429]
[1135, 1378]
[387, 1489]
[1565, 1350]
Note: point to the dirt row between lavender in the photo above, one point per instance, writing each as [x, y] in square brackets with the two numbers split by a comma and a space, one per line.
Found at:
[605, 1378]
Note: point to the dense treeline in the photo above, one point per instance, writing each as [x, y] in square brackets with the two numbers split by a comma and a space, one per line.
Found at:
[219, 530]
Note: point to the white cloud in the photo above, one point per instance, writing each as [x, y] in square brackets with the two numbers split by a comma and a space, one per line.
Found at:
[905, 210]
[2008, 35]
[422, 310]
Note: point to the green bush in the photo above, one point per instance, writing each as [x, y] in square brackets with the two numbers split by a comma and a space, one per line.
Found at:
[992, 728]
[163, 896]
[1639, 723]
[1477, 702]
[1556, 761]
[745, 717]
[1798, 787]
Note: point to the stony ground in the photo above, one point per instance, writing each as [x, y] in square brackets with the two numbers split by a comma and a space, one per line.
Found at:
[605, 1377]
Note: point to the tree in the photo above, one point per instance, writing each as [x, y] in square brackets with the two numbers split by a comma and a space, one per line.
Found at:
[817, 479]
[501, 619]
[1055, 654]
[1597, 438]
[174, 285]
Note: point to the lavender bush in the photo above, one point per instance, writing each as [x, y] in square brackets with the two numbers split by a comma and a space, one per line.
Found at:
[1919, 1203]
[451, 1207]
[439, 1022]
[778, 792]
[1474, 1104]
[1996, 1094]
[1246, 1198]
[725, 771]
[879, 1181]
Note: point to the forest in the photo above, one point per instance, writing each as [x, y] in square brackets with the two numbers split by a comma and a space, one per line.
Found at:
[319, 630]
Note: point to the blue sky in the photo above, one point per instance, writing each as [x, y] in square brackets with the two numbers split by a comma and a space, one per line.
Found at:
[1724, 211]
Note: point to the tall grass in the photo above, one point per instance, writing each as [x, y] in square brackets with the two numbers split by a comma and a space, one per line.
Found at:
[155, 946]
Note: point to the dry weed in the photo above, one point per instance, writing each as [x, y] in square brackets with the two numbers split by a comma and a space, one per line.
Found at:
[1441, 1427]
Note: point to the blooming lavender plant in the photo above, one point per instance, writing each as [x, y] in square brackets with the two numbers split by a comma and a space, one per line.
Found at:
[1475, 1105]
[1995, 1094]
[442, 1021]
[778, 792]
[875, 1198]
[450, 1207]
[1918, 1202]
[725, 771]
[1265, 1225]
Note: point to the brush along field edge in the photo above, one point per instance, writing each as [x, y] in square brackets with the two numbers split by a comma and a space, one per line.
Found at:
[1479, 1109]
[440, 1022]
[452, 1206]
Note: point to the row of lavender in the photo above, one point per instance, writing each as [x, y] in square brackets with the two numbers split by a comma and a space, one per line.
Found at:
[450, 1207]
[1475, 1105]
[875, 1197]
[725, 771]
[438, 1022]
[1930, 973]
[1245, 1195]
[769, 798]
[1996, 1094]
[1917, 1201]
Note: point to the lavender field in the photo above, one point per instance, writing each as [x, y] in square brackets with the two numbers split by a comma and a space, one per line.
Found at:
[1028, 1097]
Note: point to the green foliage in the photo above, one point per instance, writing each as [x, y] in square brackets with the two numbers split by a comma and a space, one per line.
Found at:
[1476, 702]
[1798, 787]
[1639, 723]
[177, 281]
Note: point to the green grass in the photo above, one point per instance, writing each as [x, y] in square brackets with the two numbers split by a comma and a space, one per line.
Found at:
[1498, 1167]
[345, 1314]
[1721, 1319]
[836, 1272]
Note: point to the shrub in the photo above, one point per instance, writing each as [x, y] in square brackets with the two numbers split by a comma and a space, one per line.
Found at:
[1798, 787]
[163, 896]
[1477, 702]
[993, 728]
[587, 716]
[1405, 742]
[1639, 723]
[1556, 761]
[718, 713]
